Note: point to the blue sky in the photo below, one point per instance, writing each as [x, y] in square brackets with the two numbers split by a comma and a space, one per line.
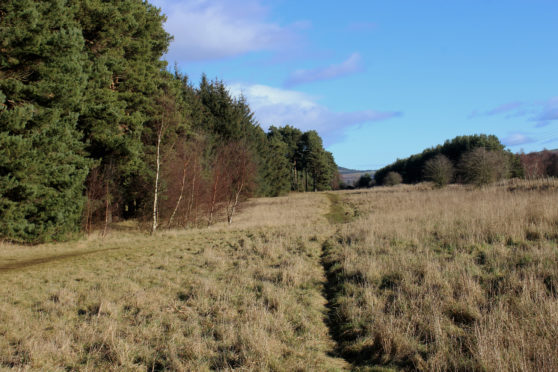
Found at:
[381, 80]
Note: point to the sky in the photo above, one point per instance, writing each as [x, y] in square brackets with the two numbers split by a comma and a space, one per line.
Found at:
[380, 80]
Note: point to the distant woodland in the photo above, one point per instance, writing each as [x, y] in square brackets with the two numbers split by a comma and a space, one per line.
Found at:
[475, 159]
[94, 128]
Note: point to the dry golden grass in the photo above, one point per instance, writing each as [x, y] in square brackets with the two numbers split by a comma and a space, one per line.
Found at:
[247, 297]
[452, 279]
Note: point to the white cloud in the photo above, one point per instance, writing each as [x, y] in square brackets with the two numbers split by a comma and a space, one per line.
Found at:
[349, 66]
[214, 29]
[516, 139]
[274, 106]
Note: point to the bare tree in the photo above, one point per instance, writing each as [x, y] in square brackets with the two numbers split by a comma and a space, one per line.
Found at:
[392, 179]
[439, 170]
[217, 181]
[241, 170]
[186, 162]
[482, 167]
[160, 131]
[196, 187]
[233, 173]
[183, 187]
[540, 164]
[169, 117]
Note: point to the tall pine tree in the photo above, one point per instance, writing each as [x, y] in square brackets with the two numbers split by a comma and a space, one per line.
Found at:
[125, 42]
[43, 74]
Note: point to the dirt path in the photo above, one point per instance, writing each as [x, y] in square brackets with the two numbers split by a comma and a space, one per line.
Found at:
[22, 264]
[339, 212]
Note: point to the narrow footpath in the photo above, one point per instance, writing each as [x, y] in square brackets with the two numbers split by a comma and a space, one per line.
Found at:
[340, 212]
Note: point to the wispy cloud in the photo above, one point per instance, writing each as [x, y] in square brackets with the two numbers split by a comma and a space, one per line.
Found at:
[214, 29]
[275, 106]
[541, 112]
[505, 108]
[552, 140]
[516, 139]
[548, 113]
[349, 66]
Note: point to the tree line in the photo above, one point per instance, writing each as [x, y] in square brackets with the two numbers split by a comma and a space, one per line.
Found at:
[94, 128]
[477, 159]
[540, 164]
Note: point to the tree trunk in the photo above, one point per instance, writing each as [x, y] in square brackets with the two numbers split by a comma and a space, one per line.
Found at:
[213, 199]
[88, 213]
[233, 207]
[314, 179]
[156, 193]
[181, 193]
[108, 217]
[193, 191]
[295, 186]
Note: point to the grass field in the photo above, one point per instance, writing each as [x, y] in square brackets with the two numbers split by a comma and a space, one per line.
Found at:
[454, 279]
[407, 277]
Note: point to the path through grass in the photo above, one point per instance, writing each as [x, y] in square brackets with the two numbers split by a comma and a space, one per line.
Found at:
[339, 211]
[247, 297]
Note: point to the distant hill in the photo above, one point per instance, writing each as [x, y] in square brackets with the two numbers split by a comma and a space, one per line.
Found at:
[348, 171]
[350, 176]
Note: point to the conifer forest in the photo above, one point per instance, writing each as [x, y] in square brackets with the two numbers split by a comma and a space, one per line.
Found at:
[94, 128]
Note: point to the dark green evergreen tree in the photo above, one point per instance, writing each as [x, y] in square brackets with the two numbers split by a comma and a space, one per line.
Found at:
[292, 138]
[125, 42]
[43, 74]
[318, 163]
[83, 85]
[364, 181]
[277, 166]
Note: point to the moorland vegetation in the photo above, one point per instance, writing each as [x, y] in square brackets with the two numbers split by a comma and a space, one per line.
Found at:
[456, 273]
[410, 277]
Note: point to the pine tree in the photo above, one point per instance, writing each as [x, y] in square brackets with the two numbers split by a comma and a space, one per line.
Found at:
[315, 160]
[292, 138]
[43, 73]
[277, 167]
[125, 42]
